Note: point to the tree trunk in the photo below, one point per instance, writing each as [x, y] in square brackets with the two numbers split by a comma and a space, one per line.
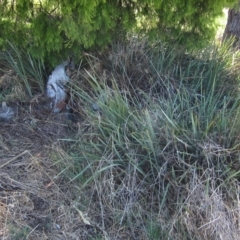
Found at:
[232, 28]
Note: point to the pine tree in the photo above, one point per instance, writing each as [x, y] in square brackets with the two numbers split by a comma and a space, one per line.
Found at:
[49, 28]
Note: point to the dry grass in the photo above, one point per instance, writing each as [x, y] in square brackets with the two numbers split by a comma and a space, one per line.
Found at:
[215, 219]
[44, 196]
[35, 201]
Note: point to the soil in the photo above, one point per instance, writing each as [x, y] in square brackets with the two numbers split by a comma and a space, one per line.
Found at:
[35, 201]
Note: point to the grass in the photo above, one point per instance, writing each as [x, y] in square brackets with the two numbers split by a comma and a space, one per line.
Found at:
[157, 154]
[160, 156]
[30, 72]
[18, 234]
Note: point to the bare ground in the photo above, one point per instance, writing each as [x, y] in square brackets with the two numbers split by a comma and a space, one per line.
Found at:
[36, 202]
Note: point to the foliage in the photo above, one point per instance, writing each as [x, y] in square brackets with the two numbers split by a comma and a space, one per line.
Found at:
[29, 70]
[191, 23]
[162, 149]
[48, 29]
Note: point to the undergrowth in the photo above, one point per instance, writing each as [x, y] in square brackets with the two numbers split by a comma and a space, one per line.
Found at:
[28, 73]
[158, 154]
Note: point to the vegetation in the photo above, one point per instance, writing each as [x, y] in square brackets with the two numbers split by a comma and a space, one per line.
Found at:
[162, 150]
[51, 29]
[153, 151]
[151, 147]
[29, 70]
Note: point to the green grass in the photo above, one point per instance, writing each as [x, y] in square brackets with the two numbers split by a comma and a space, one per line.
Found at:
[30, 71]
[162, 150]
[19, 234]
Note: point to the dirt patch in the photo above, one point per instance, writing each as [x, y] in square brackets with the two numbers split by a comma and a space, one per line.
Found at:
[36, 202]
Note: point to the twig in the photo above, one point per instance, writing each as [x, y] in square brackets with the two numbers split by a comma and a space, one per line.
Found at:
[26, 151]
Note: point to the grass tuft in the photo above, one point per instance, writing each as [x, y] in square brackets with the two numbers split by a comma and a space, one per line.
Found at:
[157, 156]
[30, 72]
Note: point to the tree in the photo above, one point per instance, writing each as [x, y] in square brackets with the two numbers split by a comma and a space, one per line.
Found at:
[48, 28]
[232, 29]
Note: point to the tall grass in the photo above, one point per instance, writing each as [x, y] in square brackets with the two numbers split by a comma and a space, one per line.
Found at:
[159, 159]
[30, 71]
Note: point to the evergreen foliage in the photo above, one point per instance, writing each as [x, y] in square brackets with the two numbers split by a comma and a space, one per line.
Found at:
[46, 28]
